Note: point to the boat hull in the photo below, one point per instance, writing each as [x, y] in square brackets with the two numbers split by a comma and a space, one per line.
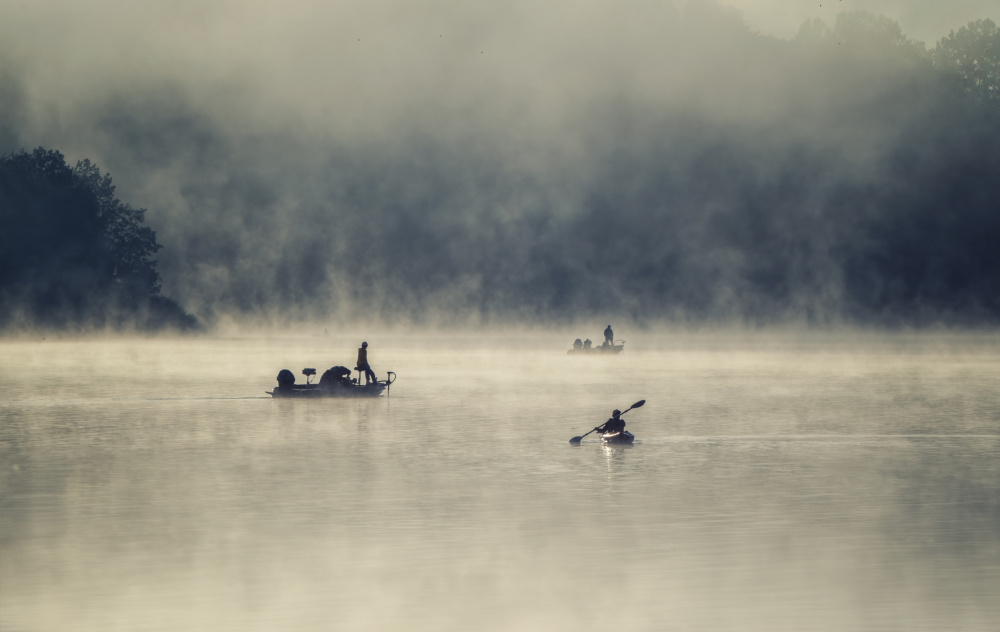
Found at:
[618, 438]
[609, 350]
[334, 383]
[314, 391]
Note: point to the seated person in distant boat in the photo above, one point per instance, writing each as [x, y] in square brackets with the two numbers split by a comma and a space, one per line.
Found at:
[577, 344]
[587, 343]
[364, 366]
[615, 424]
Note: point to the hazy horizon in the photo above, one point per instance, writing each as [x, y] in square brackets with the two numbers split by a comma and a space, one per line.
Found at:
[465, 163]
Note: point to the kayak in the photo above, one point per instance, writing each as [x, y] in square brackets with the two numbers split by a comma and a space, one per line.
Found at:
[619, 438]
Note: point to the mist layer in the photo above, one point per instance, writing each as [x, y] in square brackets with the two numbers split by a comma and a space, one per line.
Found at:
[471, 163]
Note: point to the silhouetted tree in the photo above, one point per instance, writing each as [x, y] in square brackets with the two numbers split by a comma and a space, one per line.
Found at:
[132, 244]
[863, 35]
[973, 53]
[71, 254]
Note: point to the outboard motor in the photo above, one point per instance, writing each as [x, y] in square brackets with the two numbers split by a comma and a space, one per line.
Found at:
[285, 378]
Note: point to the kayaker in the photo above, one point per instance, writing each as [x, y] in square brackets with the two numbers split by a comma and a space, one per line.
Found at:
[363, 364]
[609, 336]
[615, 424]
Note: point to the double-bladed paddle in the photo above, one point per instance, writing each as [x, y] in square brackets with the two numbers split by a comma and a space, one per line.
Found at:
[638, 404]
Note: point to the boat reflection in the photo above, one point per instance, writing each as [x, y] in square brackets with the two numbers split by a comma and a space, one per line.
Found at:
[616, 454]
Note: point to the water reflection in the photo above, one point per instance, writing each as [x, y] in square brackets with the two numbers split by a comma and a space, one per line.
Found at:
[615, 456]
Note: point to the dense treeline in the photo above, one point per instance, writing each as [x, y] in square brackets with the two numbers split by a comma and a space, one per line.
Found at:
[695, 171]
[885, 209]
[72, 254]
[867, 193]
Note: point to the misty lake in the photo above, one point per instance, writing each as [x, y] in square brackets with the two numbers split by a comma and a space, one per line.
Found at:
[778, 482]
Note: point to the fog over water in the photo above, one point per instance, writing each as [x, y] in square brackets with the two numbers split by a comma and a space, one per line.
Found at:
[484, 162]
[778, 482]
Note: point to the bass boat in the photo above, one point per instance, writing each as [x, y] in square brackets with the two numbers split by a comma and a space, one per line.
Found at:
[335, 382]
[586, 349]
[618, 438]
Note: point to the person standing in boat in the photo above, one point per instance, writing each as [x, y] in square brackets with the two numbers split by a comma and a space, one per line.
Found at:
[363, 364]
[615, 424]
[609, 336]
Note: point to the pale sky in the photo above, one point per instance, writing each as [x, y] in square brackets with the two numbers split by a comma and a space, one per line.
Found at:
[924, 20]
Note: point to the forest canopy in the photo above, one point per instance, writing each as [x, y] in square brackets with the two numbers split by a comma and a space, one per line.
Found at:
[634, 162]
[72, 255]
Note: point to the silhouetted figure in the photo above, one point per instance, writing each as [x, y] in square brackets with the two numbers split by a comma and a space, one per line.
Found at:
[335, 376]
[577, 344]
[615, 424]
[363, 364]
[609, 336]
[587, 343]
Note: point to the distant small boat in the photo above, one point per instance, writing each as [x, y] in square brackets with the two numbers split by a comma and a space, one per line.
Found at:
[335, 382]
[605, 348]
[624, 437]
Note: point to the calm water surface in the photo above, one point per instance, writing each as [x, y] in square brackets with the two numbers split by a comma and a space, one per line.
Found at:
[778, 483]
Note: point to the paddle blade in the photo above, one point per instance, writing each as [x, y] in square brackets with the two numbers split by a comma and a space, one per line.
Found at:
[576, 440]
[638, 404]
